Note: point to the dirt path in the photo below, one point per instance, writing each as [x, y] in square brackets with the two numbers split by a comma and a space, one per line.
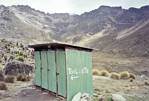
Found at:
[25, 91]
[32, 95]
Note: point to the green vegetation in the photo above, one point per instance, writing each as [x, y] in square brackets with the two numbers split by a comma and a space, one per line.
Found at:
[11, 51]
[20, 58]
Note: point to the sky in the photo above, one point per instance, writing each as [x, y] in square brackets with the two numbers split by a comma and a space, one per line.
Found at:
[73, 6]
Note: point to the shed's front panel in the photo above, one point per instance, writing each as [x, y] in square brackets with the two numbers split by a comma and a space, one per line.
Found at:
[37, 79]
[79, 75]
[51, 71]
[61, 72]
[44, 69]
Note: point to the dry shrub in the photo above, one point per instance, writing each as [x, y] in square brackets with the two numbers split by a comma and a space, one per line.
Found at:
[115, 76]
[146, 83]
[3, 86]
[19, 77]
[124, 75]
[132, 76]
[131, 80]
[104, 73]
[23, 78]
[96, 72]
[9, 79]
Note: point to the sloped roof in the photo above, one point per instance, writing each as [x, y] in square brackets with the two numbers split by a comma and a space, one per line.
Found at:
[57, 45]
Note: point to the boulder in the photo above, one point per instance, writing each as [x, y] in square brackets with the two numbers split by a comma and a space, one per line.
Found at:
[14, 68]
[77, 97]
[85, 97]
[118, 97]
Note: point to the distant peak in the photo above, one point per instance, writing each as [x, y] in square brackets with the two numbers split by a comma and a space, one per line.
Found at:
[145, 7]
[109, 7]
[22, 6]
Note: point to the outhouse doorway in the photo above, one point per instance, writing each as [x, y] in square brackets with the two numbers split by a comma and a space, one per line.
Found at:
[50, 70]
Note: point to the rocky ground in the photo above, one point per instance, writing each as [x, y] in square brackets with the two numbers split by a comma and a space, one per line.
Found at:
[26, 91]
[13, 51]
[131, 91]
[104, 87]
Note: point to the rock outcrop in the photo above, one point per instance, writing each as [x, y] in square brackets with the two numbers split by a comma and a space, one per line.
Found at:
[15, 68]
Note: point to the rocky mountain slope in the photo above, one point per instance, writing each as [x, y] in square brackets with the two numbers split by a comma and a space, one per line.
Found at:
[110, 29]
[10, 52]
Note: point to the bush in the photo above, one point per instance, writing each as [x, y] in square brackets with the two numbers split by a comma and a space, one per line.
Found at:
[23, 78]
[20, 58]
[146, 83]
[104, 73]
[132, 76]
[3, 86]
[124, 75]
[10, 79]
[96, 72]
[19, 77]
[115, 76]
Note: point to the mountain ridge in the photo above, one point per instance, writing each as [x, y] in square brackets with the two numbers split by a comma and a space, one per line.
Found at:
[105, 28]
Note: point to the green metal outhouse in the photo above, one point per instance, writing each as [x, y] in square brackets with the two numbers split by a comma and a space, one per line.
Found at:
[63, 69]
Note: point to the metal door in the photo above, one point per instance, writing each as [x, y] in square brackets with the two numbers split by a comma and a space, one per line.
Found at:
[61, 72]
[44, 69]
[37, 79]
[51, 71]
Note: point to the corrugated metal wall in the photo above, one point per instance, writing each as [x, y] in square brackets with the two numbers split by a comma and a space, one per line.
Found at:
[51, 71]
[37, 78]
[79, 75]
[61, 72]
[65, 72]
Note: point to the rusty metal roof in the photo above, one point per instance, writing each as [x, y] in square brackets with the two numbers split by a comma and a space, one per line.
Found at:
[58, 45]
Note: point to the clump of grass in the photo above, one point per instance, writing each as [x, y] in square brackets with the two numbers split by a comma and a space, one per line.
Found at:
[131, 80]
[115, 76]
[23, 78]
[124, 75]
[9, 79]
[96, 72]
[132, 76]
[146, 83]
[104, 73]
[3, 86]
[20, 58]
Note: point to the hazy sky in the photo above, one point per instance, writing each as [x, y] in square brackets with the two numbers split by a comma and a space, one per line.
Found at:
[73, 6]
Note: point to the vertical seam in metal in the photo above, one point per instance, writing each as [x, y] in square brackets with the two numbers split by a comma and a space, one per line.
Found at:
[66, 71]
[47, 69]
[40, 69]
[56, 74]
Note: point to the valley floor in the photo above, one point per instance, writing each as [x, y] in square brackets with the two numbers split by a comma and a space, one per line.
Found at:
[131, 91]
[136, 90]
[103, 86]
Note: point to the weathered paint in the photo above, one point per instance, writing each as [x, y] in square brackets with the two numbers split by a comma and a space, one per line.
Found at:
[61, 72]
[44, 69]
[64, 71]
[37, 79]
[79, 78]
[51, 71]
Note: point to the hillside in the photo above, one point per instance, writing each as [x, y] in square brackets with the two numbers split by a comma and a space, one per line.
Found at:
[110, 29]
[10, 51]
